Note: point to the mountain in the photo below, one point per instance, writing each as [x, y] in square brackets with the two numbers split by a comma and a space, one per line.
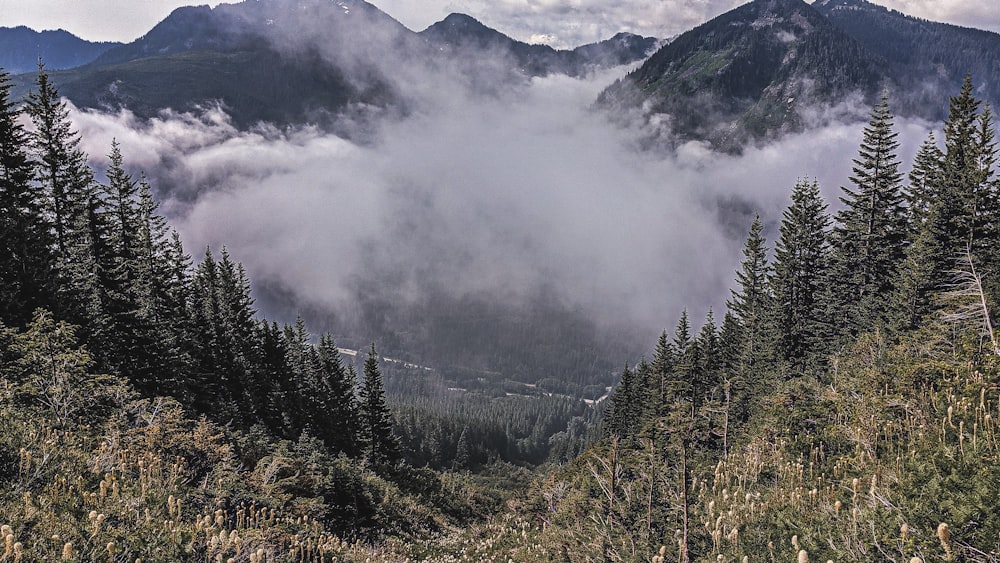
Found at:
[750, 73]
[746, 73]
[21, 47]
[927, 59]
[462, 34]
[296, 61]
[280, 61]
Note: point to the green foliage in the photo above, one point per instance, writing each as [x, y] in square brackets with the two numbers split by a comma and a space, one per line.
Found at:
[378, 443]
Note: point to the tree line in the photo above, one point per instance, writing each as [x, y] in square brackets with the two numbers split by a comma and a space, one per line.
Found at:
[904, 258]
[99, 255]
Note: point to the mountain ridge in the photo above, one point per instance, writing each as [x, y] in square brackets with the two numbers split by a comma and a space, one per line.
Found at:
[306, 61]
[21, 48]
[747, 75]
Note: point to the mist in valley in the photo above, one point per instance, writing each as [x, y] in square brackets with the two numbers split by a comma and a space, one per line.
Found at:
[518, 205]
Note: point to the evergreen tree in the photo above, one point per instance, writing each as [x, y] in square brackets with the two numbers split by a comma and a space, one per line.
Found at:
[67, 182]
[751, 300]
[338, 400]
[379, 444]
[800, 262]
[462, 452]
[925, 182]
[128, 339]
[26, 261]
[750, 304]
[656, 377]
[912, 299]
[63, 167]
[956, 208]
[625, 406]
[869, 239]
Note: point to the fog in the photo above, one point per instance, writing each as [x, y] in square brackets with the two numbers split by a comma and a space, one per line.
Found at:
[497, 197]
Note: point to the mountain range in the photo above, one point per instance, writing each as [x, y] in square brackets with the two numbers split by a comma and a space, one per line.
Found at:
[765, 67]
[754, 73]
[287, 61]
[750, 74]
[21, 48]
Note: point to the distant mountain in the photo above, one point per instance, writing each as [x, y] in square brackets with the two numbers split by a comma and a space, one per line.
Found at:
[263, 61]
[21, 48]
[928, 60]
[746, 73]
[750, 73]
[294, 61]
[463, 35]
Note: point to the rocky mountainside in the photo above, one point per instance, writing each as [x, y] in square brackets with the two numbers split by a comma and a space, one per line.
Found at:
[747, 73]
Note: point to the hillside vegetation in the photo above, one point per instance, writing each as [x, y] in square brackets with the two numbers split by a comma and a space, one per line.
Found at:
[844, 409]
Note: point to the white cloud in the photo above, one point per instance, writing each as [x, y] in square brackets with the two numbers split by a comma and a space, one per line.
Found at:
[496, 195]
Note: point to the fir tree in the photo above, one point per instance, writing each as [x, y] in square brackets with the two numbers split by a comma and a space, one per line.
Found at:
[912, 298]
[71, 204]
[625, 406]
[869, 239]
[26, 261]
[751, 300]
[62, 166]
[800, 262]
[338, 400]
[379, 444]
[128, 338]
[750, 304]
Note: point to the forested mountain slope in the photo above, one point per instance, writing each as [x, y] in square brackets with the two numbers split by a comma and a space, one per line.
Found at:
[773, 66]
[299, 62]
[21, 47]
[845, 408]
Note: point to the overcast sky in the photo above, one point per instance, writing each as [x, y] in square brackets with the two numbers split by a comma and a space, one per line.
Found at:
[562, 23]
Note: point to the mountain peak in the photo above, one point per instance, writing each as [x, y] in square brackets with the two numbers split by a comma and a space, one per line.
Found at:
[21, 47]
[746, 73]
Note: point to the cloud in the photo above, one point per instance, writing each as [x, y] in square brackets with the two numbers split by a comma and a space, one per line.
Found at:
[498, 196]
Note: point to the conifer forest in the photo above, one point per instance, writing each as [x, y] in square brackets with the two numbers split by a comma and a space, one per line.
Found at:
[845, 406]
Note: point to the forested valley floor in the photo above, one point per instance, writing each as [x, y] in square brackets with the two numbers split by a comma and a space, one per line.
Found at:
[845, 408]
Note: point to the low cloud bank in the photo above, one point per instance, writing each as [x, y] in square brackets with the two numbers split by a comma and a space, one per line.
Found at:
[496, 197]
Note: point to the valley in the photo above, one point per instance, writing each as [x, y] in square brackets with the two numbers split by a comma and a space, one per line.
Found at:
[286, 280]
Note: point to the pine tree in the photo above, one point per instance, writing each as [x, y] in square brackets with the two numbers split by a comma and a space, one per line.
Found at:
[751, 301]
[800, 262]
[925, 182]
[462, 452]
[379, 444]
[71, 204]
[625, 406]
[127, 342]
[750, 304]
[339, 402]
[957, 208]
[912, 298]
[656, 376]
[26, 261]
[869, 239]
